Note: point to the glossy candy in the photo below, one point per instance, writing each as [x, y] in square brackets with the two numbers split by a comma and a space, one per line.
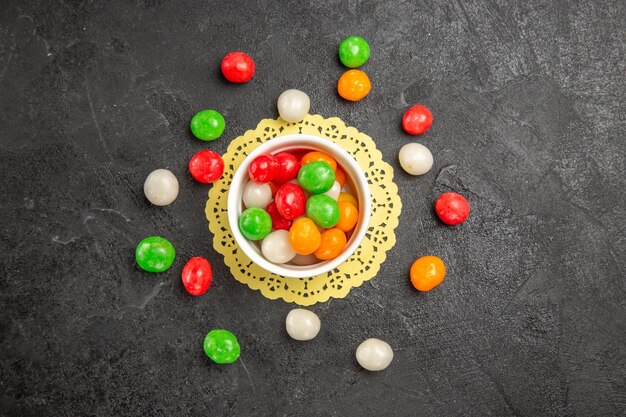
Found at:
[278, 221]
[288, 167]
[255, 223]
[155, 254]
[354, 51]
[290, 201]
[452, 208]
[319, 156]
[197, 275]
[427, 272]
[354, 85]
[417, 120]
[334, 191]
[340, 176]
[304, 260]
[304, 236]
[323, 210]
[415, 159]
[302, 324]
[276, 247]
[293, 105]
[348, 198]
[256, 194]
[374, 354]
[161, 187]
[348, 216]
[332, 244]
[316, 177]
[221, 346]
[207, 125]
[264, 168]
[206, 166]
[238, 67]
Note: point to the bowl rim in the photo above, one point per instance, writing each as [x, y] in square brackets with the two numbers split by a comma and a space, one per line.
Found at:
[300, 141]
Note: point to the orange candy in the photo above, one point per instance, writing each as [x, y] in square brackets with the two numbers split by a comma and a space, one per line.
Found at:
[304, 236]
[354, 85]
[427, 272]
[332, 244]
[348, 216]
[348, 198]
[319, 156]
[340, 176]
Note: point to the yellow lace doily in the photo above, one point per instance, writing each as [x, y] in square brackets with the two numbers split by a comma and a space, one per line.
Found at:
[362, 266]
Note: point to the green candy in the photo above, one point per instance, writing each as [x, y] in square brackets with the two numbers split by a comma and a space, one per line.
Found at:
[221, 346]
[255, 223]
[207, 125]
[354, 51]
[323, 210]
[316, 177]
[155, 254]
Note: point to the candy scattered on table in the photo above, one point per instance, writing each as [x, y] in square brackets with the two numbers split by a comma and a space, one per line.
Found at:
[238, 67]
[333, 241]
[427, 272]
[257, 194]
[276, 247]
[354, 85]
[207, 125]
[264, 168]
[316, 177]
[452, 208]
[415, 159]
[304, 236]
[323, 210]
[155, 254]
[255, 223]
[221, 346]
[417, 120]
[197, 275]
[293, 105]
[206, 166]
[302, 324]
[374, 354]
[354, 51]
[161, 187]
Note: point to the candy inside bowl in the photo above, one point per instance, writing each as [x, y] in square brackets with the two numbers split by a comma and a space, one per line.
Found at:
[301, 266]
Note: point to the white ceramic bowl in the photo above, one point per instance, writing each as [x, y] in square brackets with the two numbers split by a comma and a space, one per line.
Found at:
[354, 177]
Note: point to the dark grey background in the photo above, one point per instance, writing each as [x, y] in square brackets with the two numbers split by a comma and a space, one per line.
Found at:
[529, 107]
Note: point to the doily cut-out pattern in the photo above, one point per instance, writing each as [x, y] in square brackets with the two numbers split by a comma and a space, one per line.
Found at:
[362, 266]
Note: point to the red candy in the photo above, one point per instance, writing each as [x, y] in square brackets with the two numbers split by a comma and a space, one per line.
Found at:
[237, 67]
[417, 120]
[452, 208]
[278, 221]
[290, 201]
[197, 275]
[264, 168]
[206, 166]
[288, 167]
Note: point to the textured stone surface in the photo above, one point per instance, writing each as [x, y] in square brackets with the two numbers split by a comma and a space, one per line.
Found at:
[529, 107]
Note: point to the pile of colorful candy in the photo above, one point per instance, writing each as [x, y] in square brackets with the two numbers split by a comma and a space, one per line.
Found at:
[292, 206]
[297, 204]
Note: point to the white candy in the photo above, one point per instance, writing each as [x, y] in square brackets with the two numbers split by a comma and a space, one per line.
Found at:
[161, 187]
[302, 324]
[334, 191]
[257, 195]
[304, 260]
[415, 159]
[374, 354]
[276, 247]
[293, 105]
